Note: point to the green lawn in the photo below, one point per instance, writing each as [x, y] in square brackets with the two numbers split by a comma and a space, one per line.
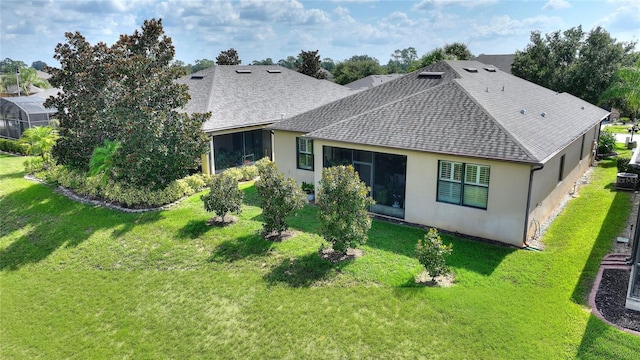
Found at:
[83, 282]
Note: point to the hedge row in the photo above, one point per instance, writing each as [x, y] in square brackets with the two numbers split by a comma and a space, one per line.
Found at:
[122, 194]
[13, 146]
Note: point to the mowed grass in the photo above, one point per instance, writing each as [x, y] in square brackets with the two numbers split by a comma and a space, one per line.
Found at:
[82, 282]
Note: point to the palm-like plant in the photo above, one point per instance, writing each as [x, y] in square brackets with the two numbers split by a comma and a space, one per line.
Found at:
[103, 159]
[40, 140]
[625, 88]
[28, 77]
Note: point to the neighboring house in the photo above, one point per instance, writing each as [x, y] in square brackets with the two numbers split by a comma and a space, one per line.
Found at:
[371, 81]
[457, 145]
[19, 113]
[502, 62]
[243, 100]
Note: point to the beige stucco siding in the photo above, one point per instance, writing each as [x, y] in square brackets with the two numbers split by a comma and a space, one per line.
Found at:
[503, 220]
[284, 146]
[547, 191]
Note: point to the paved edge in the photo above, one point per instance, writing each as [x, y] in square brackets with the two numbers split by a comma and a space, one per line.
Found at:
[594, 291]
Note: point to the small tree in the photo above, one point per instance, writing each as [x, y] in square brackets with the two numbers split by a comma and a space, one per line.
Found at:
[432, 253]
[103, 160]
[40, 140]
[607, 143]
[343, 200]
[279, 197]
[224, 195]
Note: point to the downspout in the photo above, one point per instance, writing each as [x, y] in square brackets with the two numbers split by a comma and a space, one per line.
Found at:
[526, 213]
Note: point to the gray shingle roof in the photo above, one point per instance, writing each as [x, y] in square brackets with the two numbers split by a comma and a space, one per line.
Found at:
[502, 62]
[371, 81]
[464, 113]
[261, 96]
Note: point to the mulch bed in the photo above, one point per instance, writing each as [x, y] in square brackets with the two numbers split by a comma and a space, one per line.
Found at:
[611, 297]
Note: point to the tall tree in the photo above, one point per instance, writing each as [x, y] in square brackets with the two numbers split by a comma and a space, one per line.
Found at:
[624, 92]
[228, 57]
[267, 61]
[459, 50]
[433, 56]
[202, 64]
[573, 61]
[39, 65]
[290, 62]
[310, 64]
[28, 77]
[401, 60]
[9, 66]
[356, 68]
[328, 64]
[126, 93]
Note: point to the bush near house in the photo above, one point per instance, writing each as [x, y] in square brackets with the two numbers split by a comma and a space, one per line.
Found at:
[606, 142]
[343, 200]
[224, 195]
[279, 198]
[432, 253]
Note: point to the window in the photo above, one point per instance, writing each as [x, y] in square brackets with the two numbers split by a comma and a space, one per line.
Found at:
[304, 153]
[561, 170]
[463, 184]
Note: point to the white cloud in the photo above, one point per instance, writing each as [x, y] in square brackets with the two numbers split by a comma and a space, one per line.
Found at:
[556, 5]
[505, 25]
[430, 4]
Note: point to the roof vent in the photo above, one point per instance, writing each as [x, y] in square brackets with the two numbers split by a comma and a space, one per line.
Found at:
[490, 69]
[486, 90]
[582, 108]
[543, 114]
[502, 87]
[523, 111]
[243, 71]
[471, 69]
[274, 71]
[431, 74]
[197, 77]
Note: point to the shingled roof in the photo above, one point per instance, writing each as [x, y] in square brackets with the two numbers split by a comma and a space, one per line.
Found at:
[471, 110]
[242, 96]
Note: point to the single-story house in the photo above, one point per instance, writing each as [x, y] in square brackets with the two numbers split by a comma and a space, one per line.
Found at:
[458, 145]
[243, 100]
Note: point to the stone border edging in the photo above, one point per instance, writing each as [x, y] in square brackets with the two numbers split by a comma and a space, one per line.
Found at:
[105, 204]
[594, 291]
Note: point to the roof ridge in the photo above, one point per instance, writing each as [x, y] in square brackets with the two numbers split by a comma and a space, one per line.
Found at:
[495, 121]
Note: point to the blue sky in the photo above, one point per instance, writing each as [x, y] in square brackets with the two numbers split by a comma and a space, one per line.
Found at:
[30, 30]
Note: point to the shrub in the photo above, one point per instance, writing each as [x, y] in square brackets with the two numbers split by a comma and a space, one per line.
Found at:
[249, 172]
[279, 198]
[40, 140]
[103, 160]
[224, 195]
[432, 253]
[606, 142]
[196, 182]
[13, 146]
[307, 187]
[234, 173]
[343, 200]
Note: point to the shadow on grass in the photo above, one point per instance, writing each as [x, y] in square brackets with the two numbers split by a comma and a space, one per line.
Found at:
[52, 221]
[251, 197]
[473, 255]
[193, 229]
[602, 341]
[613, 223]
[304, 271]
[240, 248]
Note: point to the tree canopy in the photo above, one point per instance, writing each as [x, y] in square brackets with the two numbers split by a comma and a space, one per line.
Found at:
[401, 60]
[126, 93]
[228, 57]
[356, 68]
[202, 64]
[310, 64]
[583, 64]
[624, 91]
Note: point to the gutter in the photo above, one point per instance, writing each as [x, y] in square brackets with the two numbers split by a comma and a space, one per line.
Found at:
[526, 213]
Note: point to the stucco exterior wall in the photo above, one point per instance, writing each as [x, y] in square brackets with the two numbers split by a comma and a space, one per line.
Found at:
[284, 151]
[503, 220]
[547, 191]
[506, 213]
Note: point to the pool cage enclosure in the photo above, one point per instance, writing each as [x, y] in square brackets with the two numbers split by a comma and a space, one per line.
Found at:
[20, 113]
